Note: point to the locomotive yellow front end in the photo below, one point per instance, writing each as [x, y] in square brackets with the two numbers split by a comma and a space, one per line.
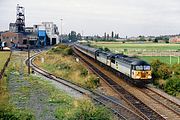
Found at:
[142, 73]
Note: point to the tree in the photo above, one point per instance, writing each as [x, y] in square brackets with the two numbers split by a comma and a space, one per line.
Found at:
[79, 36]
[112, 34]
[117, 36]
[105, 36]
[161, 70]
[72, 36]
[141, 38]
[155, 40]
[155, 64]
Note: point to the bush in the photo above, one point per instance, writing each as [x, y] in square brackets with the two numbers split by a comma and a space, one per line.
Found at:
[83, 110]
[61, 49]
[106, 49]
[87, 111]
[84, 72]
[155, 64]
[164, 71]
[67, 51]
[63, 66]
[172, 86]
[92, 82]
[176, 69]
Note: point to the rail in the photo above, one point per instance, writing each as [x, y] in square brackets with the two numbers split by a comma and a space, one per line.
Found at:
[141, 108]
[121, 111]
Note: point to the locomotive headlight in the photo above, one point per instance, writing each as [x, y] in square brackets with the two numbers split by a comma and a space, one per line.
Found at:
[149, 76]
[137, 77]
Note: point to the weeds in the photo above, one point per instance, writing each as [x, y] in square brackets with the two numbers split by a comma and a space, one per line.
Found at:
[59, 62]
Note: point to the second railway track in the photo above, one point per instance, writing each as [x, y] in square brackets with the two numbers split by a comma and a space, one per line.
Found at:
[169, 104]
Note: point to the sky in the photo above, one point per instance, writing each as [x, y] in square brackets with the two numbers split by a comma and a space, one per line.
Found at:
[95, 17]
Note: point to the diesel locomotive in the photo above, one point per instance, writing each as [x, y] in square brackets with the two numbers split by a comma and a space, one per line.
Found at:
[131, 69]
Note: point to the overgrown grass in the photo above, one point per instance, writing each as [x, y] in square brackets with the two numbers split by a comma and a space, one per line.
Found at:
[3, 81]
[32, 98]
[58, 62]
[83, 110]
[3, 58]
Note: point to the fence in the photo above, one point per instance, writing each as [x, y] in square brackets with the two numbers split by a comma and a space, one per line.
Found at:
[5, 65]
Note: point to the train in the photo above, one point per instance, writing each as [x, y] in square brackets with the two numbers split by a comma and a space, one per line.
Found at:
[131, 69]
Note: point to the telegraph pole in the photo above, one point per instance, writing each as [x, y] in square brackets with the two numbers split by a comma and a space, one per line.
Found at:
[61, 29]
[28, 60]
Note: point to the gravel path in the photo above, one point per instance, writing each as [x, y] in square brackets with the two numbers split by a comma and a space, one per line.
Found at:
[62, 87]
[27, 95]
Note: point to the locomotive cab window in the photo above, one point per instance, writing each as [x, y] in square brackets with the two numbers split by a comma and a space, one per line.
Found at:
[147, 68]
[138, 67]
[142, 67]
[113, 59]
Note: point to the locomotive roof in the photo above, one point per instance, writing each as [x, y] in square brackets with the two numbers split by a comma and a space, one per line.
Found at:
[139, 62]
[129, 60]
[88, 48]
[132, 60]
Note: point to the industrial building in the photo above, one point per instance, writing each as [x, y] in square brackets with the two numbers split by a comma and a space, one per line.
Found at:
[11, 39]
[52, 32]
[39, 35]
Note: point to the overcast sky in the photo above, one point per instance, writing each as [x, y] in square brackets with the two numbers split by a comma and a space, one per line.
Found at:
[126, 17]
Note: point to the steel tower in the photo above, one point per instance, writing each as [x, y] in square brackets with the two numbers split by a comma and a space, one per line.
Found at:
[20, 19]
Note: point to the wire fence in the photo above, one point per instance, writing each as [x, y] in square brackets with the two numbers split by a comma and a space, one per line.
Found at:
[5, 65]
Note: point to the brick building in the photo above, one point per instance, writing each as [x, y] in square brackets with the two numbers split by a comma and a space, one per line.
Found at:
[174, 39]
[11, 38]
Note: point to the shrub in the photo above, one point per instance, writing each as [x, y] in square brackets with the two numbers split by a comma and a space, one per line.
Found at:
[87, 111]
[164, 71]
[61, 49]
[176, 69]
[63, 66]
[106, 49]
[67, 51]
[84, 110]
[155, 64]
[92, 82]
[172, 86]
[84, 72]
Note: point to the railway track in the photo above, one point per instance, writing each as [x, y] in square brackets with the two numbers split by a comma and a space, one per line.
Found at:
[169, 104]
[145, 111]
[122, 112]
